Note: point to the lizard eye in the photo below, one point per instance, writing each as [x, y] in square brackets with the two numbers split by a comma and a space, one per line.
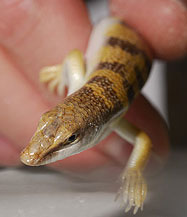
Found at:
[72, 138]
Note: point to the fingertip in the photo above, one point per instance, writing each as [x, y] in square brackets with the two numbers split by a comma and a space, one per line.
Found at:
[163, 24]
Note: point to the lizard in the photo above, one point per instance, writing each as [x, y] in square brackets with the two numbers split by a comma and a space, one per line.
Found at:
[101, 87]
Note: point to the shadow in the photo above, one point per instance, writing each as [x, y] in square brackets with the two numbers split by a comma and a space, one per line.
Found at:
[27, 179]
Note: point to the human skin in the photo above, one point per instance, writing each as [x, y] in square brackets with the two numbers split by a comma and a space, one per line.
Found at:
[37, 33]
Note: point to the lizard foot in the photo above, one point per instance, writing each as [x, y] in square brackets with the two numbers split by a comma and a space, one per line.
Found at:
[52, 76]
[133, 190]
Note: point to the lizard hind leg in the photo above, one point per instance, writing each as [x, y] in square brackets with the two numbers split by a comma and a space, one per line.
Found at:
[134, 188]
[70, 74]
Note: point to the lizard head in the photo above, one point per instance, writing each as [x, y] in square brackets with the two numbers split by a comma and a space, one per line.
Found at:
[58, 136]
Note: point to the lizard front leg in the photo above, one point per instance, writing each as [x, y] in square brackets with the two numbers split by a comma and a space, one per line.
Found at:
[70, 74]
[134, 187]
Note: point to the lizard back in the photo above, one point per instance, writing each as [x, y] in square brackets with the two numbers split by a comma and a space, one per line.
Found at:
[123, 65]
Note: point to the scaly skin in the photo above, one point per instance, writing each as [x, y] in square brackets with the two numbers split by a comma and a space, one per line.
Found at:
[84, 117]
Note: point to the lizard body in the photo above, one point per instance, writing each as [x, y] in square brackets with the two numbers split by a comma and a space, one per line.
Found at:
[117, 68]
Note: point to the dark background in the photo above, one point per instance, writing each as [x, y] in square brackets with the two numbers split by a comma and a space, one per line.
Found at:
[177, 102]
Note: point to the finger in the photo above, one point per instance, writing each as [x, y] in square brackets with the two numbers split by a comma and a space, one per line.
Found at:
[39, 33]
[39, 38]
[21, 106]
[114, 150]
[163, 23]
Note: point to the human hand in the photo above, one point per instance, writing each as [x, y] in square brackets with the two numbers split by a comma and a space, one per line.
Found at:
[37, 33]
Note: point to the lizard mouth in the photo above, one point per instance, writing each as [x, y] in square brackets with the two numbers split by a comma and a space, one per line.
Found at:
[35, 159]
[31, 159]
[55, 155]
